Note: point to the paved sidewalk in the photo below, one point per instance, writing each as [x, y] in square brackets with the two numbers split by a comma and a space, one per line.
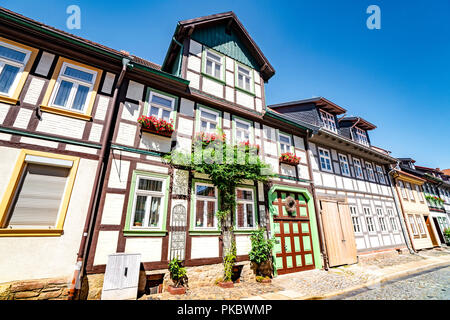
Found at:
[321, 284]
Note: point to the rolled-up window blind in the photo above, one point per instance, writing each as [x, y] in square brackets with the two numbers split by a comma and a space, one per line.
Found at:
[38, 196]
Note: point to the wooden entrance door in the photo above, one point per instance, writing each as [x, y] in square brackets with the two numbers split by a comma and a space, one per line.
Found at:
[430, 231]
[339, 234]
[438, 229]
[292, 230]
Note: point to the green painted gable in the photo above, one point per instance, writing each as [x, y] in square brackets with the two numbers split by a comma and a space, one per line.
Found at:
[230, 45]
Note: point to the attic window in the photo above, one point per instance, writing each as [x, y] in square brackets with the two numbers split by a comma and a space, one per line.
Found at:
[213, 64]
[361, 137]
[328, 121]
[244, 78]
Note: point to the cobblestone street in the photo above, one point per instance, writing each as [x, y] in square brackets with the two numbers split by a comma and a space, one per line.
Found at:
[431, 285]
[316, 283]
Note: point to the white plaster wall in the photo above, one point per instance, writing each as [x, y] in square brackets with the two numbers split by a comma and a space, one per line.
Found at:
[135, 90]
[151, 168]
[112, 210]
[212, 87]
[245, 100]
[106, 244]
[149, 248]
[23, 118]
[34, 90]
[204, 247]
[243, 245]
[155, 142]
[46, 257]
[108, 83]
[102, 107]
[45, 63]
[61, 125]
[194, 80]
[4, 108]
[187, 107]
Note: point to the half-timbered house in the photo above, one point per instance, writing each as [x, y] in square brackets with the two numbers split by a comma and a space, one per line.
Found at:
[351, 182]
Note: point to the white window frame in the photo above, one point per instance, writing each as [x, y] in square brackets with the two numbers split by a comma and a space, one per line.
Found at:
[249, 131]
[420, 224]
[206, 199]
[214, 63]
[392, 220]
[328, 121]
[75, 84]
[412, 222]
[357, 164]
[159, 106]
[380, 174]
[361, 136]
[368, 216]
[288, 146]
[355, 219]
[343, 163]
[401, 186]
[20, 65]
[208, 121]
[325, 157]
[245, 202]
[410, 191]
[244, 76]
[370, 173]
[150, 195]
[381, 220]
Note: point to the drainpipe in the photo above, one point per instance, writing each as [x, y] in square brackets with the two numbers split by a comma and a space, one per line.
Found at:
[406, 235]
[316, 204]
[80, 267]
[351, 131]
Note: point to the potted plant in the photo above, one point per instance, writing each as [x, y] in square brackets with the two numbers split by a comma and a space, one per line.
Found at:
[156, 126]
[447, 235]
[261, 255]
[289, 158]
[228, 266]
[178, 276]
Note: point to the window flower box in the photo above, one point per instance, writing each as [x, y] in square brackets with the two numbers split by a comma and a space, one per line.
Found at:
[289, 158]
[206, 138]
[156, 126]
[248, 146]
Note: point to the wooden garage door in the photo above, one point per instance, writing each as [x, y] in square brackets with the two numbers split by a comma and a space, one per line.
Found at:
[339, 234]
[293, 248]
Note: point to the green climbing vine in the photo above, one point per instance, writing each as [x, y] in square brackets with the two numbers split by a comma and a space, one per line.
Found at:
[227, 166]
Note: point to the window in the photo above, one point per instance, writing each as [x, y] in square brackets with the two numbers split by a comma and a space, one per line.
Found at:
[392, 219]
[402, 189]
[355, 219]
[412, 222]
[361, 136]
[72, 89]
[244, 78]
[411, 195]
[344, 165]
[148, 202]
[160, 106]
[358, 168]
[13, 60]
[245, 208]
[325, 160]
[381, 219]
[370, 173]
[243, 130]
[38, 195]
[369, 220]
[328, 121]
[380, 174]
[420, 224]
[209, 120]
[213, 65]
[285, 143]
[205, 206]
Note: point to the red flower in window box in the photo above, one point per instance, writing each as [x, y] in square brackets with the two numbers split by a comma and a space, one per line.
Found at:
[156, 126]
[249, 146]
[289, 158]
[206, 138]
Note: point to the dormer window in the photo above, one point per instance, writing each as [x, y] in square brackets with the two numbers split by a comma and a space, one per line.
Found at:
[361, 137]
[328, 121]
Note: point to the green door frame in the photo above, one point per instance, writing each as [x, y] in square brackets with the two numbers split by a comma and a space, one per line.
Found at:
[272, 195]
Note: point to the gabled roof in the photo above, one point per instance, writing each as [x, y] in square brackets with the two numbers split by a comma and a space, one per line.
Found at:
[363, 124]
[185, 28]
[321, 102]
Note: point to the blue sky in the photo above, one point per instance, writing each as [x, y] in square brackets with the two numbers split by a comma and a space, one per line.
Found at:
[397, 77]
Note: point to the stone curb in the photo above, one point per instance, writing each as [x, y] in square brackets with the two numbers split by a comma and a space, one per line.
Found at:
[380, 280]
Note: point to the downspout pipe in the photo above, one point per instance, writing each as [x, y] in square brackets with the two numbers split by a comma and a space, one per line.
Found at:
[316, 204]
[80, 267]
[401, 212]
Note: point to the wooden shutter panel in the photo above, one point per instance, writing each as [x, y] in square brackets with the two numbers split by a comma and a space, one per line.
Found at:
[38, 197]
